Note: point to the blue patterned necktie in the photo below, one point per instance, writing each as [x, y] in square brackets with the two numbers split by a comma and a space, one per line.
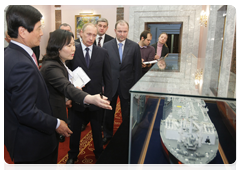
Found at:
[120, 51]
[87, 57]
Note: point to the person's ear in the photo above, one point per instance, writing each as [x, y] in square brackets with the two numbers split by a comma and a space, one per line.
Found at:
[22, 32]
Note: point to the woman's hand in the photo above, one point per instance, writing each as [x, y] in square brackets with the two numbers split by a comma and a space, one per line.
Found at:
[156, 57]
[79, 87]
[98, 100]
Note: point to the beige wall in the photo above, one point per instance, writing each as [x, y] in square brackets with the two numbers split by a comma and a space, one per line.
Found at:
[68, 16]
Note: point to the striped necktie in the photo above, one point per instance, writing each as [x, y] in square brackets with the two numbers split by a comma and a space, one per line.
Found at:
[99, 40]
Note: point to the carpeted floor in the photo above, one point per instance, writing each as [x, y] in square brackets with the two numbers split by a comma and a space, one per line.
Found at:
[86, 155]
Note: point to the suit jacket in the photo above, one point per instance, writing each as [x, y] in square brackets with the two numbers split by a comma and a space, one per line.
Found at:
[56, 77]
[99, 70]
[29, 127]
[127, 73]
[165, 49]
[77, 40]
[106, 39]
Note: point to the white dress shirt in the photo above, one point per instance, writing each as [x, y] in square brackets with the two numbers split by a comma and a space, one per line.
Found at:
[89, 51]
[102, 40]
[123, 43]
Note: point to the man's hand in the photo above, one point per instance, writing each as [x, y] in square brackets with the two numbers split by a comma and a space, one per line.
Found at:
[98, 101]
[69, 103]
[63, 129]
[143, 65]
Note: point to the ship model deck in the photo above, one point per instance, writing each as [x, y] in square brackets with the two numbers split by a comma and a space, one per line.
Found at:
[187, 132]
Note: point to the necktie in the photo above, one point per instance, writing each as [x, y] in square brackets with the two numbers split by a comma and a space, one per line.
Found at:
[35, 59]
[99, 40]
[120, 51]
[87, 57]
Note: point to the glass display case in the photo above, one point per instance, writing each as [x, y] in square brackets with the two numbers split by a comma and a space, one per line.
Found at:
[175, 118]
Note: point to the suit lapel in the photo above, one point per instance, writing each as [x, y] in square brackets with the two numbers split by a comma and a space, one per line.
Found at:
[20, 49]
[94, 55]
[125, 51]
[106, 38]
[81, 56]
[64, 68]
[115, 48]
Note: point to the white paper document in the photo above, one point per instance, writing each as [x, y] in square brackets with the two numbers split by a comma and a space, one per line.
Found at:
[150, 62]
[80, 78]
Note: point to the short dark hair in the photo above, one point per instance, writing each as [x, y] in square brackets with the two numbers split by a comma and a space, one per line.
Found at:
[102, 20]
[21, 15]
[144, 34]
[58, 39]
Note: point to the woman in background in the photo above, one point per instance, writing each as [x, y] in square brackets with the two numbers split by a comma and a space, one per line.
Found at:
[161, 48]
[60, 48]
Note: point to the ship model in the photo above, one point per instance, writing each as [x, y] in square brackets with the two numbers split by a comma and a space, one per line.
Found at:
[187, 134]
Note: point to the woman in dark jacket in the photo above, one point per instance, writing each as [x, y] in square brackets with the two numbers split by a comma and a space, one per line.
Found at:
[60, 48]
[161, 48]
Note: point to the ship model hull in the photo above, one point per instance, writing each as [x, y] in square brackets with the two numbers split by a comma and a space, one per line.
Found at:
[187, 134]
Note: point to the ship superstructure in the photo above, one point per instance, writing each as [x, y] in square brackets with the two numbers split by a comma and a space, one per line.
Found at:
[187, 131]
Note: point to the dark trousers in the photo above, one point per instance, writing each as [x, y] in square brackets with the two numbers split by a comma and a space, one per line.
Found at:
[109, 114]
[77, 119]
[47, 163]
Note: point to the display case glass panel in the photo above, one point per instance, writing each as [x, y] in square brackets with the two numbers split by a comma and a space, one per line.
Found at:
[173, 119]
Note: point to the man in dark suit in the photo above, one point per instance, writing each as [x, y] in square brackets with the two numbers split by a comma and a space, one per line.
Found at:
[126, 66]
[95, 62]
[102, 37]
[67, 27]
[29, 127]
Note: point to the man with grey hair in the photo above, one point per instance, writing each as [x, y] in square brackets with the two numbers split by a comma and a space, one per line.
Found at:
[65, 26]
[102, 37]
[94, 61]
[126, 67]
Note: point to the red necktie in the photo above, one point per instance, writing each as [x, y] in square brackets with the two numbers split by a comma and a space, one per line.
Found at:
[99, 40]
[35, 59]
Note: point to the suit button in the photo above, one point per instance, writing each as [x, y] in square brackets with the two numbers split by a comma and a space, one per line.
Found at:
[119, 63]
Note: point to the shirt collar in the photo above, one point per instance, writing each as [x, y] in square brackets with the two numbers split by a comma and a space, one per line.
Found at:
[142, 46]
[103, 36]
[26, 48]
[159, 44]
[83, 46]
[123, 42]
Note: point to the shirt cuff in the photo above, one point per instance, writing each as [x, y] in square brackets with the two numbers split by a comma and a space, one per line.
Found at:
[58, 123]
